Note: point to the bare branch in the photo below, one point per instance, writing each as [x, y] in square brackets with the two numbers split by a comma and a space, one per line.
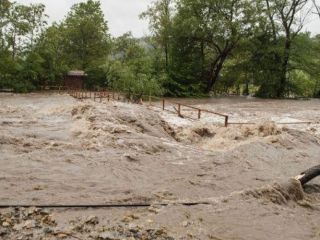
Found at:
[316, 7]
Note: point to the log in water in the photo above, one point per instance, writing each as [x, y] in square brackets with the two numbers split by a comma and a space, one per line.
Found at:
[308, 175]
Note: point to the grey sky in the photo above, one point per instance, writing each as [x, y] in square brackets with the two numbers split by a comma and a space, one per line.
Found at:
[123, 15]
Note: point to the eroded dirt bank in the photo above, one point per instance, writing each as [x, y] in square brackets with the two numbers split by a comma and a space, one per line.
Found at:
[56, 150]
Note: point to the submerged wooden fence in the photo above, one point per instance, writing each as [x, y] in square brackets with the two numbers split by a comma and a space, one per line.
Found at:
[197, 110]
[135, 98]
[162, 103]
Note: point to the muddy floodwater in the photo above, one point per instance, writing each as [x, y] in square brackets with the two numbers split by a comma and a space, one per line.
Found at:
[196, 178]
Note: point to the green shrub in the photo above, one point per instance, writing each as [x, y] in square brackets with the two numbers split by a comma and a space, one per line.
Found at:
[23, 87]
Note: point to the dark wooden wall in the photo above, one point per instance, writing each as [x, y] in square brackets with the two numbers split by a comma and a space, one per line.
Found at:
[74, 82]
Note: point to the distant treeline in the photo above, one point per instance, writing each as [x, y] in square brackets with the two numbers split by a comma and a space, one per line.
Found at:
[196, 48]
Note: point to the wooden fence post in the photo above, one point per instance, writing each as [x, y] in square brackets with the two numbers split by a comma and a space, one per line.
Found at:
[163, 104]
[199, 113]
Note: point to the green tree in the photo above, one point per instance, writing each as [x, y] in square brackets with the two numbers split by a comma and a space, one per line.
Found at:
[287, 16]
[130, 67]
[17, 28]
[19, 65]
[37, 22]
[81, 41]
[4, 10]
[304, 76]
[160, 16]
[210, 31]
[86, 35]
[51, 49]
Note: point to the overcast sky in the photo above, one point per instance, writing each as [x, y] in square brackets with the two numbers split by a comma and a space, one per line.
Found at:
[123, 15]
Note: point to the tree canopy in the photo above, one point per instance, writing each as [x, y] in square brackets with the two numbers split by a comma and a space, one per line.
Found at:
[195, 48]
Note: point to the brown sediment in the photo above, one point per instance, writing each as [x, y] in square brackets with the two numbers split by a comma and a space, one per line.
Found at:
[56, 150]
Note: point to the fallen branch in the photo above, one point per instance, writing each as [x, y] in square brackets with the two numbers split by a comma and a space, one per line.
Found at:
[308, 175]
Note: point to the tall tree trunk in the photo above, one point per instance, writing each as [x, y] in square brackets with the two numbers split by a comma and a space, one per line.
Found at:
[202, 61]
[246, 90]
[215, 72]
[284, 69]
[14, 48]
[167, 27]
[316, 92]
[166, 51]
[273, 25]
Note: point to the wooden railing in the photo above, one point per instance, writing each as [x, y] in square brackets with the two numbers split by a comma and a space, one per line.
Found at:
[199, 111]
[163, 103]
[135, 98]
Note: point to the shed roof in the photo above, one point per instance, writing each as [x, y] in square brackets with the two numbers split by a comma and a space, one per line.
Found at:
[76, 73]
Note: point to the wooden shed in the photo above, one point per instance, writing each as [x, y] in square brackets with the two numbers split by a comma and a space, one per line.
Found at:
[75, 79]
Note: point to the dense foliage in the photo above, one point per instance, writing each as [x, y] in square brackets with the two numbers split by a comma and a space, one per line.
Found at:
[196, 48]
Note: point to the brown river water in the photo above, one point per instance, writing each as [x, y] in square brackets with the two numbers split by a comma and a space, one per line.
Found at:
[55, 149]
